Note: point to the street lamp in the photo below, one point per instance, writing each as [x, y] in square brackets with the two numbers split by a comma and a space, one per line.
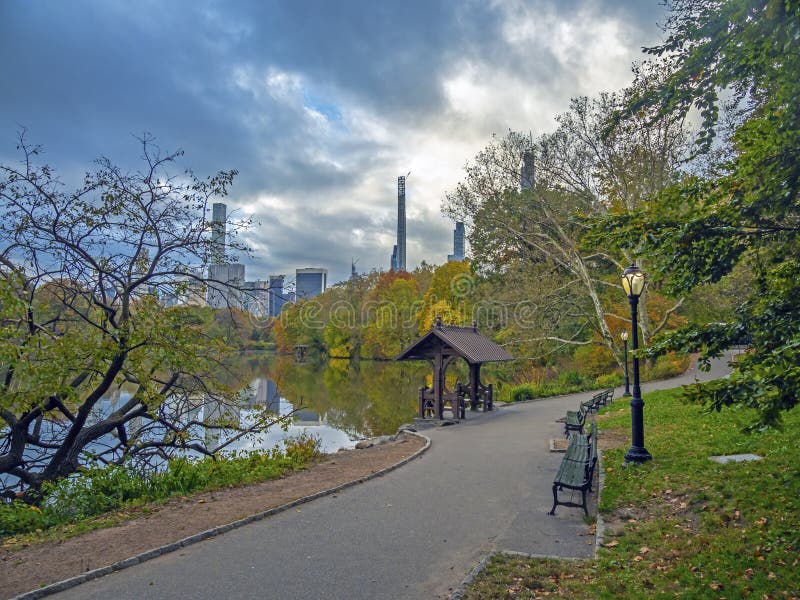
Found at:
[633, 284]
[624, 336]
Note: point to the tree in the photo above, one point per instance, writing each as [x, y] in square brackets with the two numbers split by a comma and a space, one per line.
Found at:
[586, 168]
[93, 368]
[737, 59]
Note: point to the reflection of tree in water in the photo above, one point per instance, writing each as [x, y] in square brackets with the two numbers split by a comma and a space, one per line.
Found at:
[362, 398]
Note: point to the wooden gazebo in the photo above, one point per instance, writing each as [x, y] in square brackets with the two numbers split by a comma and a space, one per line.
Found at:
[443, 345]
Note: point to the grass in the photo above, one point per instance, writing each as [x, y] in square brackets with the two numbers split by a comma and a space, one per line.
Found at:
[681, 526]
[103, 497]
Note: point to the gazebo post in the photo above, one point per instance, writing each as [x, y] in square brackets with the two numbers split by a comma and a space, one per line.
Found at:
[438, 383]
[474, 378]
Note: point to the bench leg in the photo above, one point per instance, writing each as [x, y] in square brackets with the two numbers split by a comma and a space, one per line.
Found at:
[555, 500]
[585, 509]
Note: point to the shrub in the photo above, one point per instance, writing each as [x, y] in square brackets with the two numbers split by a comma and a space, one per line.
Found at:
[302, 449]
[609, 381]
[594, 360]
[669, 365]
[18, 517]
[91, 492]
[98, 490]
[526, 391]
[571, 379]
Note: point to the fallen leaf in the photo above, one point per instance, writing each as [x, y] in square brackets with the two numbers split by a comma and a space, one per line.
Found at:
[201, 501]
[644, 550]
[614, 543]
[638, 558]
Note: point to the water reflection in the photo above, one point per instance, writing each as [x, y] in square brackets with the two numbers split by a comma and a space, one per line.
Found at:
[338, 401]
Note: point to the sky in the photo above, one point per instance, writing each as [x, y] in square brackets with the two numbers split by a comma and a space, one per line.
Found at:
[319, 104]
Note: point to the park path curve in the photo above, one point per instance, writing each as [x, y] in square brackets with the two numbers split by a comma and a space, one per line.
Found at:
[484, 486]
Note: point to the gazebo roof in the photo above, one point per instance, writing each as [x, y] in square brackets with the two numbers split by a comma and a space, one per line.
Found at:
[466, 342]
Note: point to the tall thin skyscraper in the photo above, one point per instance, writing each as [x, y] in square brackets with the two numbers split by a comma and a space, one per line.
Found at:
[401, 223]
[528, 175]
[458, 243]
[218, 221]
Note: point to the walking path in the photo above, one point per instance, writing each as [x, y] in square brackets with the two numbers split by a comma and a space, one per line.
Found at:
[485, 485]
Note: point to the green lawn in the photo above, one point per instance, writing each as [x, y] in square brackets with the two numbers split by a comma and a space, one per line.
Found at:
[686, 527]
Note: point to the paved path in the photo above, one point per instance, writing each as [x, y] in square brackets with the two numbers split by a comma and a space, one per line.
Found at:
[484, 485]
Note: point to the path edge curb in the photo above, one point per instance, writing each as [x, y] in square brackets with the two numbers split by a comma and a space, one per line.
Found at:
[71, 582]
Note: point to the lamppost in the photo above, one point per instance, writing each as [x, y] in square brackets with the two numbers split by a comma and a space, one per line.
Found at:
[624, 336]
[633, 284]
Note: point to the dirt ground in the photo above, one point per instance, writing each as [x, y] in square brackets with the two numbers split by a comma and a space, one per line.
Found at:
[43, 563]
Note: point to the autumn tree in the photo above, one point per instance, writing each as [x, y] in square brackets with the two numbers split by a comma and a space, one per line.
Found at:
[93, 368]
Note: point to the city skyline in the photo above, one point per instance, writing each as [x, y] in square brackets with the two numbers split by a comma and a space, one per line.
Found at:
[319, 106]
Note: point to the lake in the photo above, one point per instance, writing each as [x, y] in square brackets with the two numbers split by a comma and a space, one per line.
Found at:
[337, 401]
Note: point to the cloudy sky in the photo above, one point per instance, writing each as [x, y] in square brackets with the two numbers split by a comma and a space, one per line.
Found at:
[319, 104]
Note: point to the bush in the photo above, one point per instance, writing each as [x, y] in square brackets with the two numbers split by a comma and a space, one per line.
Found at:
[18, 517]
[571, 379]
[669, 365]
[98, 490]
[594, 360]
[526, 391]
[610, 381]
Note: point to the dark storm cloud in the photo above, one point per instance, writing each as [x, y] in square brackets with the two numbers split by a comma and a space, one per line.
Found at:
[88, 74]
[319, 104]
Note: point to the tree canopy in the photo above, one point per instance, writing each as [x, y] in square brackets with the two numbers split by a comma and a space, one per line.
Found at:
[736, 65]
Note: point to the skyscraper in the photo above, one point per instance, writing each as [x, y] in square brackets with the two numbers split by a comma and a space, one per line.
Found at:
[276, 298]
[393, 264]
[225, 284]
[310, 282]
[219, 219]
[401, 223]
[458, 243]
[528, 175]
[255, 297]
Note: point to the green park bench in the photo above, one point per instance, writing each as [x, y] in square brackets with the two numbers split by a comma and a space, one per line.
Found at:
[575, 420]
[608, 397]
[599, 400]
[576, 470]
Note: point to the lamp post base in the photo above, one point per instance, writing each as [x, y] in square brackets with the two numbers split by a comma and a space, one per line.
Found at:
[637, 455]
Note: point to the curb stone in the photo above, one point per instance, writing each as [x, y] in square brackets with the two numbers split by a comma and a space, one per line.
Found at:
[71, 582]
